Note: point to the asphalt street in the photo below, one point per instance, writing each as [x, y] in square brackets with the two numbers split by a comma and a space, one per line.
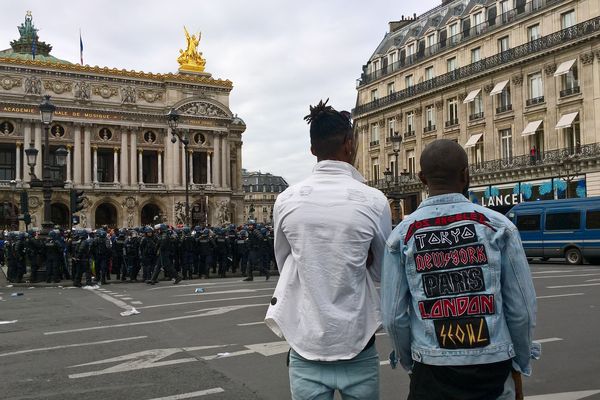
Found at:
[69, 343]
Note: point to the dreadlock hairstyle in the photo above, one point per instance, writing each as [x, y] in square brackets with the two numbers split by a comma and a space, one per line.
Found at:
[328, 129]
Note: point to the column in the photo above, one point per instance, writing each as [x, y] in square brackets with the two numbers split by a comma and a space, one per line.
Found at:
[160, 168]
[124, 165]
[116, 165]
[239, 167]
[191, 166]
[182, 165]
[87, 155]
[38, 145]
[217, 159]
[77, 155]
[140, 167]
[18, 160]
[95, 177]
[26, 144]
[69, 152]
[208, 168]
[225, 162]
[133, 158]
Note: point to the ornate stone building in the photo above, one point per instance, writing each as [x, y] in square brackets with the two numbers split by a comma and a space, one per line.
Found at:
[260, 192]
[515, 82]
[120, 153]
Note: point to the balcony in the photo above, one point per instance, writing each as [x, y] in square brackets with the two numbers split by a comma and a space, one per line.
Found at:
[544, 44]
[475, 117]
[535, 101]
[374, 143]
[503, 109]
[569, 91]
[451, 123]
[491, 24]
[429, 128]
[409, 134]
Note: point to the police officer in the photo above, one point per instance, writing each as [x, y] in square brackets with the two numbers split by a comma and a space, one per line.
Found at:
[82, 246]
[148, 250]
[34, 250]
[241, 247]
[101, 249]
[221, 251]
[255, 245]
[232, 257]
[54, 257]
[119, 265]
[166, 252]
[11, 257]
[187, 250]
[132, 254]
[205, 247]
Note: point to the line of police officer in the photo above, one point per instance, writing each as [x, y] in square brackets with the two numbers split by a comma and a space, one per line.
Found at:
[181, 253]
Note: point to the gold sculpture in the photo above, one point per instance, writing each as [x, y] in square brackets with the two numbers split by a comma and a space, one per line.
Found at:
[190, 59]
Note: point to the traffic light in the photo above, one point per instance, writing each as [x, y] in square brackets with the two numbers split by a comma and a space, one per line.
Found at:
[76, 201]
[24, 202]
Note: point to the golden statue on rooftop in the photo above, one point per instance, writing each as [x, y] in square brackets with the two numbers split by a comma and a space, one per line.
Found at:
[190, 59]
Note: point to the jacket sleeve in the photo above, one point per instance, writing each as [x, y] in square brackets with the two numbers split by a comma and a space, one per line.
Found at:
[282, 248]
[519, 302]
[384, 228]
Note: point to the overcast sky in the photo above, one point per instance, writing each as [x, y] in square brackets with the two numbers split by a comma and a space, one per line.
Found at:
[281, 55]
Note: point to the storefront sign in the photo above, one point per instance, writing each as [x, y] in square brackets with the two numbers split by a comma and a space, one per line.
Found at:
[505, 200]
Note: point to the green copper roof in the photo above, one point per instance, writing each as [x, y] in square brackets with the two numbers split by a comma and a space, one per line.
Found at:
[10, 53]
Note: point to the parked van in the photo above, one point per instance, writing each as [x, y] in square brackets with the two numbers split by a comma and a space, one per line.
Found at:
[567, 228]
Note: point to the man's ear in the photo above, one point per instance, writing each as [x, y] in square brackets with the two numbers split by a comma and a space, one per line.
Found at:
[423, 178]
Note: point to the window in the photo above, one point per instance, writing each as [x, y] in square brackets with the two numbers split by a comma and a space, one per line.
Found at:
[475, 55]
[567, 19]
[106, 165]
[374, 134]
[391, 88]
[569, 82]
[503, 44]
[452, 111]
[573, 137]
[410, 122]
[563, 221]
[411, 162]
[536, 86]
[392, 58]
[506, 144]
[477, 107]
[478, 22]
[428, 73]
[533, 32]
[375, 168]
[431, 40]
[453, 33]
[375, 65]
[478, 152]
[528, 222]
[410, 49]
[504, 9]
[430, 117]
[504, 103]
[408, 81]
[451, 64]
[373, 94]
[391, 127]
[7, 164]
[592, 220]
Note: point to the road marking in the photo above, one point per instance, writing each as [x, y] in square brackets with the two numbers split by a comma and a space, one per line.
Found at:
[252, 323]
[136, 302]
[381, 334]
[219, 284]
[564, 276]
[551, 272]
[117, 302]
[206, 313]
[70, 345]
[385, 362]
[570, 286]
[564, 396]
[560, 295]
[203, 301]
[269, 349]
[593, 280]
[127, 298]
[220, 292]
[191, 394]
[8, 322]
[548, 340]
[227, 355]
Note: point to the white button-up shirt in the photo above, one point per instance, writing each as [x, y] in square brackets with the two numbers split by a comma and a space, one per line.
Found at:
[325, 304]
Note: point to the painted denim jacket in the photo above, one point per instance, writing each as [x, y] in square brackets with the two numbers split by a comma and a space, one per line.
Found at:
[456, 288]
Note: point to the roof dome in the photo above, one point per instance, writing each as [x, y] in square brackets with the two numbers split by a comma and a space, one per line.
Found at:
[237, 121]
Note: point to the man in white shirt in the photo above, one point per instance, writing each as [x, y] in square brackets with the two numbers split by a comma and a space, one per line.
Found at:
[330, 232]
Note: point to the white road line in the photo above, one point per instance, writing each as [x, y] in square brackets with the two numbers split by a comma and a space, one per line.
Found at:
[206, 313]
[70, 345]
[569, 286]
[8, 322]
[269, 349]
[203, 283]
[550, 272]
[593, 280]
[252, 323]
[381, 334]
[224, 292]
[117, 302]
[191, 394]
[136, 302]
[385, 362]
[202, 301]
[548, 340]
[227, 355]
[560, 295]
[126, 298]
[563, 276]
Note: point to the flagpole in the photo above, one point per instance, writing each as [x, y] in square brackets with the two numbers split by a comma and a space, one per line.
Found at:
[80, 47]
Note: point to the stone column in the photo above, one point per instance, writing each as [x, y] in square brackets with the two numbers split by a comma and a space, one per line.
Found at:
[87, 155]
[69, 157]
[208, 168]
[38, 145]
[191, 166]
[95, 172]
[225, 162]
[133, 158]
[217, 160]
[18, 162]
[160, 167]
[239, 167]
[124, 164]
[140, 167]
[77, 155]
[116, 165]
[26, 144]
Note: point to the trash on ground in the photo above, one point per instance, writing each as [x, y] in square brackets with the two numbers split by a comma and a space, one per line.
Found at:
[199, 290]
[127, 313]
[16, 294]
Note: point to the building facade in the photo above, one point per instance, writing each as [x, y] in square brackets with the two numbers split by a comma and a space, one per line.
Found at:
[516, 82]
[260, 192]
[120, 152]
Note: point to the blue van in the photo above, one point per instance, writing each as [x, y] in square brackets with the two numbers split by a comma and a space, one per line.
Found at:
[567, 228]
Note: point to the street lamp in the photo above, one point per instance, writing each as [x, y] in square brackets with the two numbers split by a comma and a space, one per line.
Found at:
[387, 175]
[571, 167]
[396, 140]
[173, 120]
[47, 112]
[31, 154]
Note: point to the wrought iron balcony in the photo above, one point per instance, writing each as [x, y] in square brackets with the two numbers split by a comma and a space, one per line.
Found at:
[474, 117]
[374, 143]
[569, 91]
[429, 128]
[409, 134]
[535, 101]
[503, 109]
[451, 122]
[542, 45]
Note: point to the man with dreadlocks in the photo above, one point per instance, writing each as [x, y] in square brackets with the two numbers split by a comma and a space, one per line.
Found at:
[330, 232]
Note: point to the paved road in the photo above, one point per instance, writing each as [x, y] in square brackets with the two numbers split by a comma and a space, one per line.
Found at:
[68, 343]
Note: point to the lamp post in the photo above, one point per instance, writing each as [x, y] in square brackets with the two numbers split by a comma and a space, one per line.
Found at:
[387, 175]
[396, 140]
[173, 120]
[571, 167]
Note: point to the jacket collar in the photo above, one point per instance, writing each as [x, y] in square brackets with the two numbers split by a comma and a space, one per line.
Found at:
[331, 167]
[444, 199]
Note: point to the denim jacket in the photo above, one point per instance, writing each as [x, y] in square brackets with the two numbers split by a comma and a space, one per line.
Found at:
[456, 288]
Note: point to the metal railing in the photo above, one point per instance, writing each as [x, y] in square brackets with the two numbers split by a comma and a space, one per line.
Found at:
[461, 37]
[569, 91]
[409, 134]
[474, 117]
[503, 109]
[540, 45]
[534, 101]
[374, 143]
[429, 128]
[451, 122]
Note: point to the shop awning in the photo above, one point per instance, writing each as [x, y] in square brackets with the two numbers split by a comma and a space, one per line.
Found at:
[473, 140]
[566, 120]
[564, 67]
[532, 127]
[471, 96]
[498, 88]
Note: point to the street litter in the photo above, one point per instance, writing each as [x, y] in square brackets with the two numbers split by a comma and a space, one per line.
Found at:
[127, 313]
[16, 294]
[199, 290]
[221, 355]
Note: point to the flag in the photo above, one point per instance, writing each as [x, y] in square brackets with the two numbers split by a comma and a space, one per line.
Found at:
[80, 47]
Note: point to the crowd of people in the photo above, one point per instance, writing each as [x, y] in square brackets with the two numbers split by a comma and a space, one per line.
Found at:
[92, 256]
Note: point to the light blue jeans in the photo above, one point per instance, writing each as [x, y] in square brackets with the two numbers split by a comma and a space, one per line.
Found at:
[355, 379]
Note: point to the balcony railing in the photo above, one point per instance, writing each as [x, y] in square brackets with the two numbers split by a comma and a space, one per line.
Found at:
[569, 91]
[429, 128]
[541, 45]
[409, 134]
[374, 143]
[535, 101]
[503, 109]
[461, 37]
[474, 117]
[451, 122]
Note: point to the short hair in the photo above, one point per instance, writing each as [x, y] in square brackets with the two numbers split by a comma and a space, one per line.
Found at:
[328, 129]
[443, 161]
